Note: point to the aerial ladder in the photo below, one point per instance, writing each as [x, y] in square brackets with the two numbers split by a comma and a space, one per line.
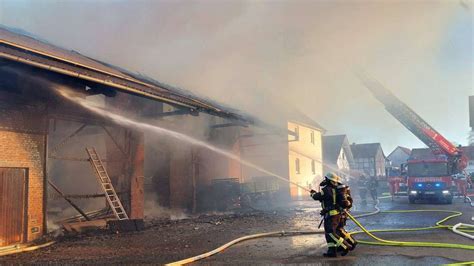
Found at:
[437, 143]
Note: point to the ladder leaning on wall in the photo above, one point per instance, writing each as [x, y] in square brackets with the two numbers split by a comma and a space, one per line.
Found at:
[106, 184]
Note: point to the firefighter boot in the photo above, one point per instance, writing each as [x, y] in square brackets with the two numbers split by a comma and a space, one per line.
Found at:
[346, 250]
[353, 245]
[331, 253]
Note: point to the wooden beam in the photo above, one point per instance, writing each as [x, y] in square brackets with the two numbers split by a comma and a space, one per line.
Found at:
[69, 201]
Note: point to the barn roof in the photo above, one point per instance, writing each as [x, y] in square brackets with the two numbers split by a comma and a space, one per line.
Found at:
[22, 47]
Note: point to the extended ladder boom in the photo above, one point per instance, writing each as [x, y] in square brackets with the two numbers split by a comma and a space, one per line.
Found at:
[413, 122]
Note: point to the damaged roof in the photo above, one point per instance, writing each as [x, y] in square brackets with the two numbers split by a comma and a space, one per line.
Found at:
[22, 47]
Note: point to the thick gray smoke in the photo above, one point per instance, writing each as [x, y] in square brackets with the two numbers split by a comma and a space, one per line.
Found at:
[270, 57]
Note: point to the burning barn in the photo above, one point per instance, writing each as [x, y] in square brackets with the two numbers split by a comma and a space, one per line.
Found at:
[43, 136]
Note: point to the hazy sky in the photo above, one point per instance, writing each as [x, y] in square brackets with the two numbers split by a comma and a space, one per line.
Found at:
[263, 56]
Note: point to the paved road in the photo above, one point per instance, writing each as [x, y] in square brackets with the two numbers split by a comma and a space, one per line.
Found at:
[308, 249]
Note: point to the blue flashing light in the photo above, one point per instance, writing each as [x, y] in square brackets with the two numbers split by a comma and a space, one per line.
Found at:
[437, 185]
[419, 185]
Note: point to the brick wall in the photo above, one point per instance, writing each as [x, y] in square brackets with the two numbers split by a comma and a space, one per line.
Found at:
[22, 147]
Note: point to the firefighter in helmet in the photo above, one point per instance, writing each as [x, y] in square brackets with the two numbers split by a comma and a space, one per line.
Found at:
[362, 185]
[333, 205]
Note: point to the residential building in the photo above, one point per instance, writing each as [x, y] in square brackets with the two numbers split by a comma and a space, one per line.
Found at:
[296, 155]
[305, 155]
[337, 155]
[398, 156]
[369, 159]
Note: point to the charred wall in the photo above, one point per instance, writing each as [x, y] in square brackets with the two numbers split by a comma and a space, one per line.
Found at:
[126, 155]
[36, 134]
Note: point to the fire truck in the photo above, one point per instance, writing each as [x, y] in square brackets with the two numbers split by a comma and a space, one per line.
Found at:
[432, 177]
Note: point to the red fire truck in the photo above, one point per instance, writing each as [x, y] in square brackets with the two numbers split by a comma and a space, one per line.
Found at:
[429, 177]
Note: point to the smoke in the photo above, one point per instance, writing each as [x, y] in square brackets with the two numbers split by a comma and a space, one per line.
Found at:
[154, 211]
[145, 127]
[268, 58]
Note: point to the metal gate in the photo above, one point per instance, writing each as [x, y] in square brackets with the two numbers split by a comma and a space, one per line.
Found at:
[12, 206]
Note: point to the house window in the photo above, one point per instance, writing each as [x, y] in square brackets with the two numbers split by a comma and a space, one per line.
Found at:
[297, 165]
[313, 167]
[312, 137]
[297, 132]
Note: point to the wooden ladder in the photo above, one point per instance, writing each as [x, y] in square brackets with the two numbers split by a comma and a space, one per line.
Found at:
[106, 183]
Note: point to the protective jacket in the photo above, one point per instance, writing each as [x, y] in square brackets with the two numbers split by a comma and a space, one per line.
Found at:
[334, 200]
[328, 199]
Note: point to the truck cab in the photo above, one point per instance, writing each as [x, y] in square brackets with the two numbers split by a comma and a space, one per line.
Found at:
[430, 180]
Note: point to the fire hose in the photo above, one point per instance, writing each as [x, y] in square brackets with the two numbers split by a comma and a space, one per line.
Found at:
[24, 249]
[455, 227]
[381, 242]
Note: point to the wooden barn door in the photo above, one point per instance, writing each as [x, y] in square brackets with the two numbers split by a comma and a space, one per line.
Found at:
[12, 206]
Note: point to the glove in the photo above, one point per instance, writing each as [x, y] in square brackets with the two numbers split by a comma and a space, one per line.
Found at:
[312, 191]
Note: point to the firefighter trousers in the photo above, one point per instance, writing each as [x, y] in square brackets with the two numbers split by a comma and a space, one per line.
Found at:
[332, 232]
[342, 232]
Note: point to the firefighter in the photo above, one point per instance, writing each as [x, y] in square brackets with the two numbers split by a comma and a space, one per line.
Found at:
[332, 218]
[372, 185]
[362, 185]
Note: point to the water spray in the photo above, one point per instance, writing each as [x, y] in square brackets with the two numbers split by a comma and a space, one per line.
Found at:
[124, 121]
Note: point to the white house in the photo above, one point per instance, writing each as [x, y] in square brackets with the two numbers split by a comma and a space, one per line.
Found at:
[337, 155]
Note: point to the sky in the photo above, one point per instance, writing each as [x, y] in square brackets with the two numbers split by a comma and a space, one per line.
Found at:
[266, 57]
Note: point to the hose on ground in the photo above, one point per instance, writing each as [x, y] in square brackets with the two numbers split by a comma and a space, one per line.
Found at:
[241, 239]
[24, 249]
[384, 242]
[381, 242]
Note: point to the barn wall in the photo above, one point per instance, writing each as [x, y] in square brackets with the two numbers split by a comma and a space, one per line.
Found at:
[23, 145]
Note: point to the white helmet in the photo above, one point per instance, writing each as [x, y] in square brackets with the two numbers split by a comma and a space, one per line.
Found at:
[334, 178]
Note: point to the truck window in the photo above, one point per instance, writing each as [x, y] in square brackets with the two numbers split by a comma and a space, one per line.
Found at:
[428, 169]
